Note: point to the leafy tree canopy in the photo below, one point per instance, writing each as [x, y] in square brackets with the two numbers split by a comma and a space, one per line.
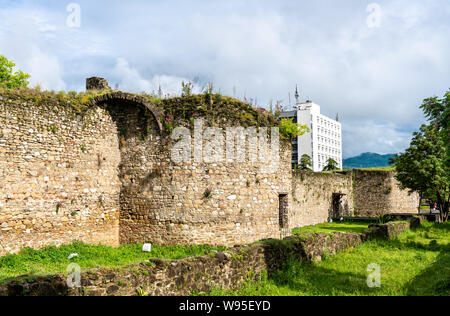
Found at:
[438, 111]
[9, 78]
[424, 167]
[332, 165]
[305, 163]
[290, 130]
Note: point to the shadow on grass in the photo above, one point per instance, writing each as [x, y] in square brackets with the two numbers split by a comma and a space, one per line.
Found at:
[309, 278]
[397, 244]
[433, 281]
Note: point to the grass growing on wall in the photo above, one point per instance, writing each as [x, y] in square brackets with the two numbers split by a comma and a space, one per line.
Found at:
[52, 260]
[76, 101]
[390, 168]
[417, 263]
[346, 227]
[215, 109]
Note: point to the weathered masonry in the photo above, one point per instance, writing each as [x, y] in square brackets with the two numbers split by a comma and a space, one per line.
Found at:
[378, 192]
[97, 167]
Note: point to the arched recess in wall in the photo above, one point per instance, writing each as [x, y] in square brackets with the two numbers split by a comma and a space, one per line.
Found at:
[128, 98]
[139, 131]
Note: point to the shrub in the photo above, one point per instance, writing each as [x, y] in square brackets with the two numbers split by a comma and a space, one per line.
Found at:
[290, 130]
[384, 218]
[208, 193]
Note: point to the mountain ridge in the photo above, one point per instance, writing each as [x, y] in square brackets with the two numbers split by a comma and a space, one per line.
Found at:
[367, 160]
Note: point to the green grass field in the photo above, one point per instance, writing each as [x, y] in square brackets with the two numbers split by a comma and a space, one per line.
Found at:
[52, 260]
[417, 263]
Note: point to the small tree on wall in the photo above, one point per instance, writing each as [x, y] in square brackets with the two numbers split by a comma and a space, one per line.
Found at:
[10, 79]
[332, 165]
[305, 163]
[291, 130]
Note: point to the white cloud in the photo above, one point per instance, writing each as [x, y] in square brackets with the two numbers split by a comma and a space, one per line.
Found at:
[45, 69]
[24, 37]
[130, 79]
[261, 48]
[383, 136]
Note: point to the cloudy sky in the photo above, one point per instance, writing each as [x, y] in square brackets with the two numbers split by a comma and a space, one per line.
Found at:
[373, 62]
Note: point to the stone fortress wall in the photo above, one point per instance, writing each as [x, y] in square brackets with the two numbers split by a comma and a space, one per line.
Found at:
[58, 176]
[318, 197]
[107, 176]
[377, 192]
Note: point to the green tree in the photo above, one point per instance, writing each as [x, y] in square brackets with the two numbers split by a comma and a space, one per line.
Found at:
[332, 165]
[9, 78]
[291, 130]
[305, 163]
[438, 112]
[424, 167]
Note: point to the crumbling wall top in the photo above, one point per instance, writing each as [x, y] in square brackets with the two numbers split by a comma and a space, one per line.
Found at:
[97, 83]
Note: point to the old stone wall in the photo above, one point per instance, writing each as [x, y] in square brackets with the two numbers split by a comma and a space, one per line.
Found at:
[402, 201]
[106, 175]
[164, 202]
[318, 197]
[59, 179]
[392, 229]
[377, 192]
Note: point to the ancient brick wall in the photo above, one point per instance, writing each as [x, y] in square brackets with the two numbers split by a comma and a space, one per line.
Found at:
[71, 177]
[106, 175]
[402, 201]
[164, 202]
[59, 179]
[377, 192]
[318, 197]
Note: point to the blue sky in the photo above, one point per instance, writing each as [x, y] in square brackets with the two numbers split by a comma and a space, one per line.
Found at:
[375, 77]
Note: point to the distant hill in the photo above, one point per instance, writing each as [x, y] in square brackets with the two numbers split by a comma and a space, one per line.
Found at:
[367, 160]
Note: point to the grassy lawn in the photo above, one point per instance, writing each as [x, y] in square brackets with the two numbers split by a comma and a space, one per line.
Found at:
[346, 227]
[52, 260]
[417, 263]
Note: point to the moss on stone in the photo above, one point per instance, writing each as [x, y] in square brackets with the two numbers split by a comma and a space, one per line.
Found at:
[51, 100]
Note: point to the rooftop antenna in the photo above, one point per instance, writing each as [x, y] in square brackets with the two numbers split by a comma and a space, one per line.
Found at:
[160, 92]
[337, 117]
[297, 95]
[290, 100]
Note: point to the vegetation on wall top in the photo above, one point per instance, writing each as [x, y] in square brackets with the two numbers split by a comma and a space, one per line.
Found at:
[215, 109]
[50, 99]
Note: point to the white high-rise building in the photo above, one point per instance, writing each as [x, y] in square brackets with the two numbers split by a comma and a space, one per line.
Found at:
[324, 141]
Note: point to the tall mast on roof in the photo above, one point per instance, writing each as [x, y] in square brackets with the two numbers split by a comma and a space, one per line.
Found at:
[297, 95]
